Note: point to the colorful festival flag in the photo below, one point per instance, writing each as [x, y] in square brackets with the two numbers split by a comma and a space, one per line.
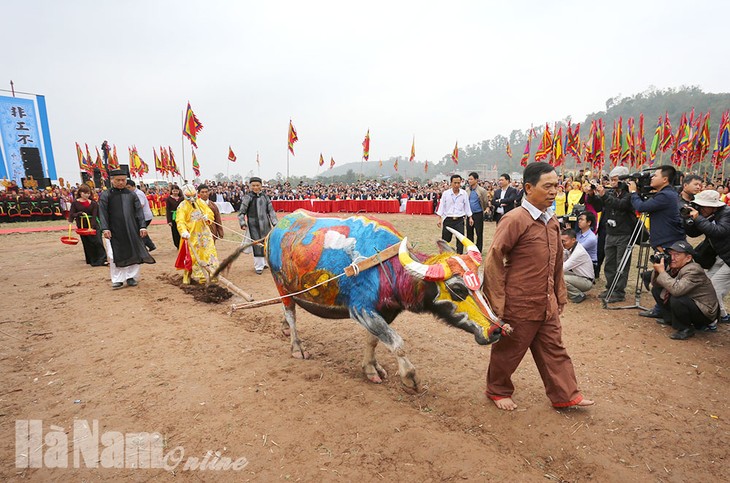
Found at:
[231, 155]
[366, 146]
[173, 165]
[545, 148]
[292, 137]
[100, 164]
[704, 138]
[656, 141]
[112, 160]
[616, 142]
[454, 155]
[526, 153]
[627, 144]
[83, 165]
[332, 163]
[509, 150]
[667, 136]
[321, 159]
[425, 167]
[599, 145]
[641, 143]
[88, 159]
[572, 142]
[192, 126]
[413, 150]
[196, 165]
[722, 142]
[395, 165]
[557, 156]
[158, 162]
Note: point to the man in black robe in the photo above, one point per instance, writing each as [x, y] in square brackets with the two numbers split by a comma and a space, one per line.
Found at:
[258, 216]
[123, 226]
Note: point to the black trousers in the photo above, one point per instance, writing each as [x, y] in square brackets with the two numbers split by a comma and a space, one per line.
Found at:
[682, 312]
[478, 228]
[147, 240]
[456, 224]
[601, 249]
[175, 235]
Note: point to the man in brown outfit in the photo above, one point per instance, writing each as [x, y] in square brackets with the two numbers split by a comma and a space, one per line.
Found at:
[216, 228]
[523, 280]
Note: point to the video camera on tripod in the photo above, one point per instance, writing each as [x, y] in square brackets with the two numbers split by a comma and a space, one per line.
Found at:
[643, 182]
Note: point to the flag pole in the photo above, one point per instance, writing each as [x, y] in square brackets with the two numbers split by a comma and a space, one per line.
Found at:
[182, 144]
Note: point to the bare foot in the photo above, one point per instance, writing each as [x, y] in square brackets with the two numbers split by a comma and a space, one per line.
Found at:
[505, 404]
[586, 402]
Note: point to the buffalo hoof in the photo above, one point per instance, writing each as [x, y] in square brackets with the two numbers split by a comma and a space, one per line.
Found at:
[411, 384]
[375, 373]
[300, 355]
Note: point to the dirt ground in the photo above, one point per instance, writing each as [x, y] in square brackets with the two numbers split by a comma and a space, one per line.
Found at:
[153, 359]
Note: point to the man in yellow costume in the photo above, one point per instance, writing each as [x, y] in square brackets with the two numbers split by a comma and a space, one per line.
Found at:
[193, 220]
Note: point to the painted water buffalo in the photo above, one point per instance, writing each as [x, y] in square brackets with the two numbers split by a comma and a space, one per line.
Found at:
[304, 250]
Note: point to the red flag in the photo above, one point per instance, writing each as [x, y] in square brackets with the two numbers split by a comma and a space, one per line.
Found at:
[365, 147]
[112, 159]
[454, 156]
[192, 125]
[292, 137]
[231, 156]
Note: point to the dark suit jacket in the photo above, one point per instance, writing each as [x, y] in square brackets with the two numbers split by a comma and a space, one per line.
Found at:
[510, 197]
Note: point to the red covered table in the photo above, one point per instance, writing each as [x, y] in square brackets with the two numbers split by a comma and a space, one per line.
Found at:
[419, 207]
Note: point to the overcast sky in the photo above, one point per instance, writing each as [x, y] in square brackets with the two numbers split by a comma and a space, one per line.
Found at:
[439, 71]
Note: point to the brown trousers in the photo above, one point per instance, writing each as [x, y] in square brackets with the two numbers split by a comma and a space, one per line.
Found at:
[544, 340]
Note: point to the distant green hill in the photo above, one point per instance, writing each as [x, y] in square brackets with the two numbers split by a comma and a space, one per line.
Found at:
[652, 103]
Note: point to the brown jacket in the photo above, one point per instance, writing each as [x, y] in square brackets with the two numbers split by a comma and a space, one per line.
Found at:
[216, 228]
[691, 281]
[482, 194]
[523, 268]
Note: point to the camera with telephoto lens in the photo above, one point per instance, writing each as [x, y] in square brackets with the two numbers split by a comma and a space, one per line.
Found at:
[642, 180]
[659, 257]
[577, 210]
[685, 210]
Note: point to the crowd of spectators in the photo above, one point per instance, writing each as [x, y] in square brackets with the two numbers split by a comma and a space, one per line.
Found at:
[33, 204]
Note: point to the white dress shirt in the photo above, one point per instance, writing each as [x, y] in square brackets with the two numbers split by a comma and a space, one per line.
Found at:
[578, 262]
[454, 204]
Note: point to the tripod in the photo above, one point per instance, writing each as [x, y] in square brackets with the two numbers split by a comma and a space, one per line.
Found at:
[641, 265]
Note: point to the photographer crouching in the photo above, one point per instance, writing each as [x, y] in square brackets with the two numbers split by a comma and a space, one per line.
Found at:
[709, 216]
[684, 294]
[661, 201]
